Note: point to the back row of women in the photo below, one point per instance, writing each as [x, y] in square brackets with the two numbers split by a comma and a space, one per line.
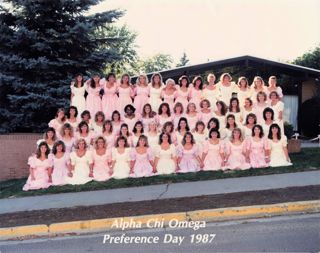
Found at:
[192, 129]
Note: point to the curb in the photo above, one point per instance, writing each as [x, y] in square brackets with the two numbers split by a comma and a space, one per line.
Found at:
[144, 221]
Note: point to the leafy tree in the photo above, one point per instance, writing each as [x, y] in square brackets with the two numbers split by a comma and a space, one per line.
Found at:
[183, 60]
[43, 44]
[310, 59]
[155, 63]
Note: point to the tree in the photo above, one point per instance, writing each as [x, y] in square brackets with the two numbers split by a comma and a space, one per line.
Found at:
[310, 59]
[155, 63]
[43, 44]
[183, 60]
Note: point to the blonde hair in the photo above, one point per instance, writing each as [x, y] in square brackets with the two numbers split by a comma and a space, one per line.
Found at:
[190, 104]
[145, 77]
[210, 75]
[223, 75]
[64, 127]
[243, 78]
[205, 100]
[272, 78]
[170, 80]
[236, 130]
[78, 142]
[256, 78]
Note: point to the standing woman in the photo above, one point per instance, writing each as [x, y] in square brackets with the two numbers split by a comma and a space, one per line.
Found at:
[124, 132]
[93, 100]
[257, 86]
[192, 115]
[164, 115]
[226, 88]
[58, 121]
[60, 160]
[196, 92]
[81, 164]
[116, 122]
[126, 93]
[243, 90]
[258, 148]
[121, 159]
[137, 132]
[142, 92]
[85, 133]
[97, 124]
[155, 91]
[230, 126]
[67, 137]
[273, 87]
[49, 137]
[182, 93]
[178, 111]
[277, 106]
[234, 108]
[213, 152]
[142, 159]
[182, 129]
[278, 147]
[220, 113]
[108, 134]
[247, 108]
[78, 90]
[130, 117]
[72, 117]
[211, 92]
[260, 106]
[166, 157]
[188, 155]
[168, 128]
[168, 93]
[251, 121]
[206, 113]
[101, 160]
[213, 123]
[147, 115]
[40, 168]
[110, 100]
[236, 152]
[268, 116]
[153, 136]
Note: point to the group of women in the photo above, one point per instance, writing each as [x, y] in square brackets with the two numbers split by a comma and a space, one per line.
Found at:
[114, 129]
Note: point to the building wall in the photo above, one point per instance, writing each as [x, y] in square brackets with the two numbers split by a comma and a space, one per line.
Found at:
[309, 89]
[14, 152]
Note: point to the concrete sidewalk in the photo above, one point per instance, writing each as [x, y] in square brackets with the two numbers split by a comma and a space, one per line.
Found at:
[164, 191]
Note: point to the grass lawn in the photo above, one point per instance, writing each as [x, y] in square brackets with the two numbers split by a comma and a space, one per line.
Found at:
[308, 159]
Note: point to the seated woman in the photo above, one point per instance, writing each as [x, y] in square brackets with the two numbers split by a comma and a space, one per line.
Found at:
[40, 169]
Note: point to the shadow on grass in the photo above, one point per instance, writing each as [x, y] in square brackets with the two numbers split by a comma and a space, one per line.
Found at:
[306, 160]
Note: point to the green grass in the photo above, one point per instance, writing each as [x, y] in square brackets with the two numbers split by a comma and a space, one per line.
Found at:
[307, 159]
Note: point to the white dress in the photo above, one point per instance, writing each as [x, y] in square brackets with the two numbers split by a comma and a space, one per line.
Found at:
[60, 168]
[211, 95]
[69, 144]
[166, 164]
[277, 156]
[155, 99]
[78, 99]
[242, 95]
[153, 141]
[81, 168]
[226, 92]
[121, 168]
[124, 98]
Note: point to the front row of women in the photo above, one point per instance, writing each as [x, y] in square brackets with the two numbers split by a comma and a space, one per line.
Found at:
[100, 164]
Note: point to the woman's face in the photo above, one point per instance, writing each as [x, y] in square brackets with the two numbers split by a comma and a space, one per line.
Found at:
[59, 148]
[107, 127]
[111, 79]
[211, 79]
[125, 79]
[165, 138]
[116, 117]
[198, 82]
[124, 130]
[184, 83]
[164, 109]
[79, 78]
[200, 128]
[139, 127]
[147, 109]
[43, 149]
[273, 82]
[100, 143]
[274, 130]
[273, 97]
[226, 79]
[129, 111]
[234, 103]
[268, 115]
[82, 145]
[261, 98]
[84, 128]
[72, 112]
[50, 134]
[192, 108]
[178, 109]
[96, 79]
[183, 124]
[251, 120]
[214, 135]
[156, 79]
[219, 106]
[231, 121]
[168, 129]
[152, 127]
[142, 142]
[100, 118]
[247, 103]
[256, 131]
[213, 124]
[236, 135]
[243, 83]
[67, 131]
[188, 138]
[121, 143]
[258, 83]
[86, 117]
[205, 104]
[142, 80]
[60, 114]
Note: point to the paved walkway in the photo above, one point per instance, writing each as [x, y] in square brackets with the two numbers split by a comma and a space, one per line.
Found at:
[164, 191]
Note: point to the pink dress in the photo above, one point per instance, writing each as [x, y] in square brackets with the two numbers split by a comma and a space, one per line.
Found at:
[213, 160]
[176, 119]
[162, 120]
[69, 144]
[188, 162]
[110, 139]
[236, 159]
[142, 166]
[87, 139]
[192, 120]
[257, 152]
[93, 100]
[196, 96]
[124, 98]
[168, 99]
[258, 111]
[109, 100]
[182, 97]
[146, 122]
[101, 169]
[131, 122]
[141, 98]
[205, 117]
[54, 123]
[40, 171]
[60, 168]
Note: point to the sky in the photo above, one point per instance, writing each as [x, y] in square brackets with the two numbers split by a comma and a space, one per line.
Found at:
[279, 30]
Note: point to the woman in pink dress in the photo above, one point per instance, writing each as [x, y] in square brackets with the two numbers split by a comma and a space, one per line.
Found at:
[153, 136]
[247, 108]
[268, 116]
[124, 132]
[251, 121]
[182, 93]
[142, 159]
[258, 148]
[200, 135]
[196, 92]
[168, 128]
[101, 160]
[164, 115]
[260, 106]
[236, 152]
[234, 108]
[86, 117]
[213, 123]
[67, 136]
[220, 113]
[58, 121]
[211, 91]
[156, 86]
[137, 132]
[243, 90]
[93, 100]
[147, 115]
[192, 115]
[126, 93]
[60, 161]
[142, 92]
[130, 117]
[168, 93]
[206, 113]
[178, 112]
[188, 155]
[78, 90]
[116, 122]
[49, 137]
[277, 106]
[73, 117]
[213, 152]
[182, 129]
[108, 134]
[110, 100]
[226, 132]
[85, 133]
[40, 169]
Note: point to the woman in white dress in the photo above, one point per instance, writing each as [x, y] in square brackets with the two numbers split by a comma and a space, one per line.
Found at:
[58, 121]
[178, 112]
[85, 133]
[168, 128]
[49, 137]
[247, 108]
[251, 121]
[147, 115]
[66, 135]
[211, 91]
[206, 113]
[192, 115]
[243, 90]
[153, 136]
[257, 86]
[260, 105]
[73, 118]
[182, 93]
[164, 115]
[273, 87]
[136, 133]
[220, 113]
[78, 90]
[200, 135]
[166, 157]
[234, 108]
[121, 159]
[226, 88]
[126, 93]
[277, 106]
[81, 164]
[231, 124]
[278, 147]
[101, 156]
[155, 91]
[196, 92]
[182, 129]
[97, 124]
[108, 134]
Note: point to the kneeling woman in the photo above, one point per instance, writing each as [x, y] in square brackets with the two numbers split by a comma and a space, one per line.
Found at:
[101, 160]
[278, 147]
[188, 155]
[121, 158]
[81, 164]
[40, 169]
